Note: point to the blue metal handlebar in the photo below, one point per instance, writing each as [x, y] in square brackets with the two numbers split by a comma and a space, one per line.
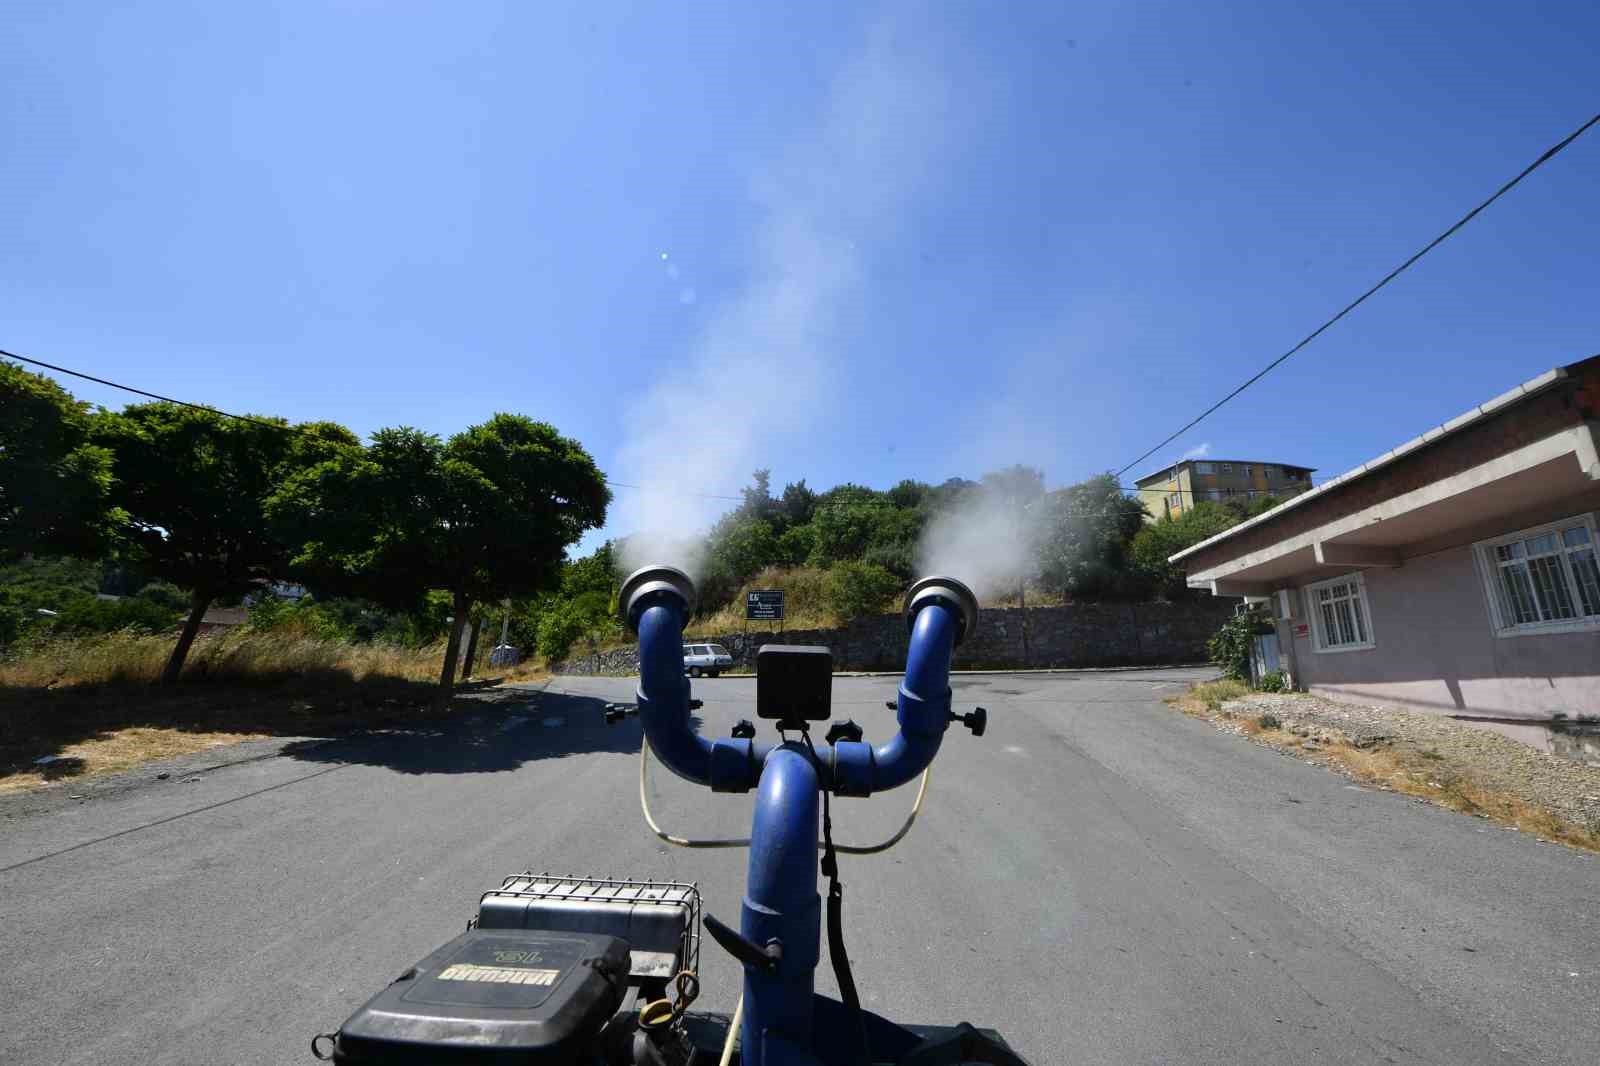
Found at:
[848, 768]
[781, 902]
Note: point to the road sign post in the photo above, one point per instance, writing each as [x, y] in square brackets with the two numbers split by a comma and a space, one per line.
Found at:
[764, 605]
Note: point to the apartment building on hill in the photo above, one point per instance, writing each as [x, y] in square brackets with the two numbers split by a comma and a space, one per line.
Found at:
[1178, 487]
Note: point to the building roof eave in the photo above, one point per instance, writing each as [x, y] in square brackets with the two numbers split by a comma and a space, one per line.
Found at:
[1455, 425]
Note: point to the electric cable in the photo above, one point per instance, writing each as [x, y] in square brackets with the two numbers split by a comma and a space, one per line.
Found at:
[278, 425]
[1549, 153]
[287, 427]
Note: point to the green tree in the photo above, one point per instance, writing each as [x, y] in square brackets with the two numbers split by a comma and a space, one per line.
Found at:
[758, 503]
[909, 493]
[487, 515]
[850, 519]
[55, 483]
[596, 572]
[1083, 534]
[950, 493]
[741, 548]
[796, 544]
[1261, 505]
[797, 503]
[193, 485]
[1165, 537]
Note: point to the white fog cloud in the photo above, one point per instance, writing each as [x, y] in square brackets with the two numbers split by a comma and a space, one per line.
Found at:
[764, 368]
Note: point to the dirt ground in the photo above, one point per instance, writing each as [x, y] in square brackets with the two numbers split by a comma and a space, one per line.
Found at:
[1466, 768]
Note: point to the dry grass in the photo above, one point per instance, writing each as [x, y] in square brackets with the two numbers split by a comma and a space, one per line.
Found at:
[1422, 773]
[1207, 697]
[123, 749]
[94, 700]
[805, 603]
[241, 654]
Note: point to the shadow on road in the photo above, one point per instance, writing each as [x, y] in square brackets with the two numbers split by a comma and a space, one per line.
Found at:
[41, 722]
[501, 737]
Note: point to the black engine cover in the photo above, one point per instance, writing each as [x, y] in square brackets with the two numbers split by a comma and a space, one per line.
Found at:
[493, 996]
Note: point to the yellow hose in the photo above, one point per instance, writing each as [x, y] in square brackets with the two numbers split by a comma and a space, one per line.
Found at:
[733, 1033]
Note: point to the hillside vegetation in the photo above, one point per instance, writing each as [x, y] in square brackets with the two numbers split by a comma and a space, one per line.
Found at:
[139, 521]
[852, 550]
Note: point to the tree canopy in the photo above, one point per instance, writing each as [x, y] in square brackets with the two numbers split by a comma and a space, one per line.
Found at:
[55, 483]
[486, 515]
[1157, 541]
[1083, 535]
[192, 487]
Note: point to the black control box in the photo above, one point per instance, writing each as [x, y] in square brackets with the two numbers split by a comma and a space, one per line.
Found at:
[493, 996]
[794, 683]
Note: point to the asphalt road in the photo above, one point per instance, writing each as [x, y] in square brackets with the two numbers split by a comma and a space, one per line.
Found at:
[1103, 880]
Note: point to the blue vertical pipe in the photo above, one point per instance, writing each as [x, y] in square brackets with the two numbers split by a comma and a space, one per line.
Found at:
[924, 700]
[781, 903]
[664, 693]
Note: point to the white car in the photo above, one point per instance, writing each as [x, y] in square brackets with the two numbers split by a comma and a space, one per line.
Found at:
[706, 659]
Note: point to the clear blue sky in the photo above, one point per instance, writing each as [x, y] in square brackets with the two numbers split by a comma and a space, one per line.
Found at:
[845, 242]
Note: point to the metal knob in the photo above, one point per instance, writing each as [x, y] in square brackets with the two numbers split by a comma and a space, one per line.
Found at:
[977, 721]
[845, 730]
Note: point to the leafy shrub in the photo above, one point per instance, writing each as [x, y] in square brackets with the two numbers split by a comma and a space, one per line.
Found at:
[12, 621]
[165, 594]
[1273, 681]
[897, 557]
[1230, 648]
[1152, 544]
[269, 612]
[1269, 721]
[107, 616]
[560, 625]
[856, 589]
[796, 544]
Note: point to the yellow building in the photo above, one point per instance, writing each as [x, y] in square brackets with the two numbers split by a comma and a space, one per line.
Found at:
[1177, 488]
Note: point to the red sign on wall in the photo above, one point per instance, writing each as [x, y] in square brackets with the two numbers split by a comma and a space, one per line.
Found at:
[1302, 629]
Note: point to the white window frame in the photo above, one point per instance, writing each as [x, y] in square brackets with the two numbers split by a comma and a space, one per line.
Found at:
[1204, 468]
[1227, 468]
[1319, 637]
[1489, 568]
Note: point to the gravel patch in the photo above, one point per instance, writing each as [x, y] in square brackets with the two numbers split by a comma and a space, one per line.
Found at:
[1562, 786]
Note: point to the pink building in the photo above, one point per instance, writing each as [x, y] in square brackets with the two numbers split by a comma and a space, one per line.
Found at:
[1456, 573]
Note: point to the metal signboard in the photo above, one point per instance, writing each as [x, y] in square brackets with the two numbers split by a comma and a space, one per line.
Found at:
[764, 605]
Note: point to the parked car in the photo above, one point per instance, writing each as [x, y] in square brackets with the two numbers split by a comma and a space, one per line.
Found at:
[706, 659]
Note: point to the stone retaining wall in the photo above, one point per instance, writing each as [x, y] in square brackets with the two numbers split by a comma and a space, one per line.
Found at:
[1082, 634]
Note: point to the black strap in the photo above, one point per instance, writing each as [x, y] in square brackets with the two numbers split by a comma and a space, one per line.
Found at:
[836, 951]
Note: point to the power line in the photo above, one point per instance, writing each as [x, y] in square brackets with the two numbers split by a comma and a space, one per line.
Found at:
[163, 399]
[324, 440]
[265, 422]
[1359, 300]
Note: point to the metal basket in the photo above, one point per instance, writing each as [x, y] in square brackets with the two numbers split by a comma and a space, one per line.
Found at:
[660, 919]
